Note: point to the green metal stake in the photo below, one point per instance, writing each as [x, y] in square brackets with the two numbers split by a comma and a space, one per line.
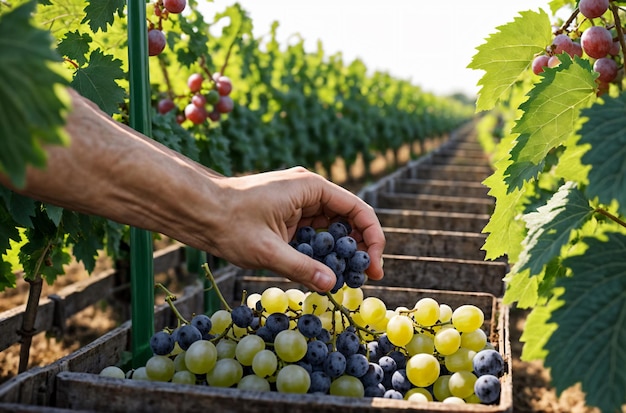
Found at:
[141, 261]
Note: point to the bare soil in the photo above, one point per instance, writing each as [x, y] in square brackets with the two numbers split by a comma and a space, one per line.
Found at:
[532, 391]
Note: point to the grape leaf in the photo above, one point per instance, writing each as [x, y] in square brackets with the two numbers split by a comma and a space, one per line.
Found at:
[505, 231]
[22, 209]
[522, 288]
[31, 104]
[99, 14]
[508, 54]
[537, 331]
[97, 82]
[167, 131]
[588, 347]
[550, 227]
[550, 116]
[570, 166]
[604, 132]
[85, 234]
[75, 46]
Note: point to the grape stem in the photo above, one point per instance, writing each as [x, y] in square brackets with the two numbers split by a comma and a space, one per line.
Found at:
[169, 299]
[344, 311]
[214, 287]
[610, 216]
[620, 32]
[569, 21]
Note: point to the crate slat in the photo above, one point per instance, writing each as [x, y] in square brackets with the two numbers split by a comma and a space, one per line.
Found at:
[434, 243]
[435, 220]
[435, 203]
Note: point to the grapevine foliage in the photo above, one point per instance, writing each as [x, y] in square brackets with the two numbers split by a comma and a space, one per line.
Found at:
[559, 184]
[287, 107]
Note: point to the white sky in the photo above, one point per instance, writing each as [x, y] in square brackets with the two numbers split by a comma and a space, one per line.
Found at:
[429, 42]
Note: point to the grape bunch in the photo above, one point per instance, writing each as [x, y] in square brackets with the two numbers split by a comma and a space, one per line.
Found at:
[598, 42]
[338, 250]
[203, 102]
[162, 10]
[340, 343]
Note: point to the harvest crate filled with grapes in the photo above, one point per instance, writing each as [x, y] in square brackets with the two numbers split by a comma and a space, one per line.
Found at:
[509, 203]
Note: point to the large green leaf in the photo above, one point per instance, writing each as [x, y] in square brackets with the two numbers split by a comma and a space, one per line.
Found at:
[100, 14]
[97, 81]
[75, 46]
[31, 104]
[604, 133]
[550, 116]
[508, 53]
[550, 227]
[537, 331]
[588, 346]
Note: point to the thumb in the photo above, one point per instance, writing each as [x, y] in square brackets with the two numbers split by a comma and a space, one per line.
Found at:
[301, 268]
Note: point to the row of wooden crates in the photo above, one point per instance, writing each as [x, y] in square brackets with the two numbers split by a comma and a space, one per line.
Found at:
[432, 250]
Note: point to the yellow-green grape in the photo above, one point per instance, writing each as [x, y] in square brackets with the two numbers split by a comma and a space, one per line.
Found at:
[467, 318]
[177, 350]
[113, 372]
[247, 348]
[372, 309]
[315, 304]
[400, 330]
[237, 332]
[274, 300]
[447, 341]
[179, 362]
[252, 300]
[460, 360]
[423, 369]
[348, 386]
[220, 320]
[140, 374]
[160, 368]
[473, 399]
[424, 392]
[293, 379]
[338, 296]
[264, 363]
[184, 377]
[226, 373]
[327, 320]
[474, 340]
[427, 312]
[254, 383]
[381, 325]
[417, 398]
[352, 298]
[420, 343]
[201, 357]
[445, 313]
[290, 346]
[453, 400]
[226, 349]
[296, 298]
[461, 384]
[441, 390]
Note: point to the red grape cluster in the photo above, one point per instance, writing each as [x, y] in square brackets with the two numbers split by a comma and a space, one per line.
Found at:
[596, 42]
[162, 9]
[204, 102]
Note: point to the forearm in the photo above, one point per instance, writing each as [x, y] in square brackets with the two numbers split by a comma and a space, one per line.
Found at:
[112, 171]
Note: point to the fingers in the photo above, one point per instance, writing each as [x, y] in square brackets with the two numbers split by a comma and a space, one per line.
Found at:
[301, 268]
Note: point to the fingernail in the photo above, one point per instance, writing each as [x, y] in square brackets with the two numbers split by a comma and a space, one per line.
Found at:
[323, 280]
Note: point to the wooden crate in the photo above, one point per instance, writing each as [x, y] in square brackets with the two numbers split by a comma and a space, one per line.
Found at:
[441, 187]
[434, 220]
[72, 384]
[77, 390]
[434, 243]
[427, 202]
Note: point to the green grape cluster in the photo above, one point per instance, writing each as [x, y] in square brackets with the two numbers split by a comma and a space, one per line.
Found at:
[342, 343]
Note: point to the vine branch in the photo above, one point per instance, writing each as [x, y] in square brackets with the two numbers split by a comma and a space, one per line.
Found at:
[610, 216]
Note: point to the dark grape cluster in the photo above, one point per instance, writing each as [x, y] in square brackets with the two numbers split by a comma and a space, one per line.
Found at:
[338, 250]
[598, 42]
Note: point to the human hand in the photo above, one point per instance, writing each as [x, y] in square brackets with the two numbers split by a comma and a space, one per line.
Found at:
[265, 211]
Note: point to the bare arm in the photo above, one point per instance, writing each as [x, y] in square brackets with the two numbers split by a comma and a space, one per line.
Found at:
[112, 171]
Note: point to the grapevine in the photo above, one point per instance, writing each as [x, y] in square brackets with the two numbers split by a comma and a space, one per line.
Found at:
[559, 187]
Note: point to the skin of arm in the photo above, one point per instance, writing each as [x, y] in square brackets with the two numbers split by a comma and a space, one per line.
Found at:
[112, 171]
